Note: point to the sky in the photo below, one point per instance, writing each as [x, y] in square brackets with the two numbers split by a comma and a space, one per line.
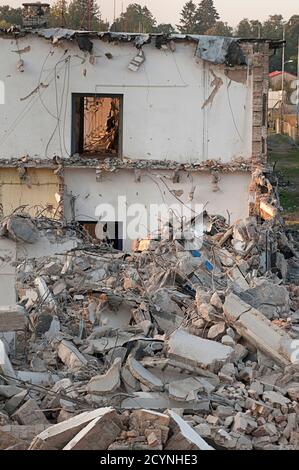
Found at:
[167, 11]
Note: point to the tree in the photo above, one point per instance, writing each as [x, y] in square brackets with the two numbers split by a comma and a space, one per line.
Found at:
[249, 29]
[59, 14]
[165, 28]
[292, 35]
[77, 16]
[136, 19]
[206, 16]
[273, 27]
[220, 29]
[10, 16]
[188, 18]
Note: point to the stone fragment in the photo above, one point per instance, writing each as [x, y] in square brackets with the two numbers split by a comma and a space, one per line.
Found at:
[184, 437]
[99, 433]
[197, 351]
[29, 413]
[69, 355]
[144, 376]
[57, 436]
[106, 383]
[217, 331]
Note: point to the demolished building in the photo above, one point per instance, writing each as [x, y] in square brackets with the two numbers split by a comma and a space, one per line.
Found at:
[165, 343]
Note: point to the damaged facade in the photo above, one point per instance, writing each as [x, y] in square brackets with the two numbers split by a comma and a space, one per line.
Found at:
[166, 343]
[88, 113]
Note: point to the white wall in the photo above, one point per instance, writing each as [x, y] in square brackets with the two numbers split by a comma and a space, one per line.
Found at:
[163, 115]
[7, 272]
[232, 195]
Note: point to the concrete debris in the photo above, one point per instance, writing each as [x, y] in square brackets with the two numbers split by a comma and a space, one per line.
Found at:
[119, 351]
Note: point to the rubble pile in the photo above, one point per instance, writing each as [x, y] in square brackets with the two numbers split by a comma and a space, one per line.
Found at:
[186, 343]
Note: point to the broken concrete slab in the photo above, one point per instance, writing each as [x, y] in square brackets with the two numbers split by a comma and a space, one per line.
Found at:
[22, 229]
[186, 390]
[158, 401]
[106, 383]
[145, 377]
[69, 355]
[275, 398]
[8, 391]
[99, 433]
[8, 440]
[26, 433]
[198, 351]
[268, 298]
[15, 401]
[258, 330]
[5, 365]
[58, 435]
[37, 378]
[30, 413]
[184, 437]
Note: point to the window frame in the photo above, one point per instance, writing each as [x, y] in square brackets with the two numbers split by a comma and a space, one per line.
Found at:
[74, 137]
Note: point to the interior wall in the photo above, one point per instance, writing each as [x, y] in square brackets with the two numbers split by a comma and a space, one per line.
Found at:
[154, 188]
[37, 193]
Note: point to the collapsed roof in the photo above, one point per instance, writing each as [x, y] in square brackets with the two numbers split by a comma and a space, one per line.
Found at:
[214, 49]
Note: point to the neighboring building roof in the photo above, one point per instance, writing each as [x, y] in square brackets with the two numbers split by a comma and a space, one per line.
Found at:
[215, 49]
[277, 73]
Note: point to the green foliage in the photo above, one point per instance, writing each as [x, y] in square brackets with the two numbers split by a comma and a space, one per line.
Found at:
[10, 16]
[136, 19]
[198, 19]
[207, 16]
[74, 15]
[188, 18]
[165, 28]
[220, 29]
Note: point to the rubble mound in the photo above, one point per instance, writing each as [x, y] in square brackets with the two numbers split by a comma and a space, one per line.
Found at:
[186, 343]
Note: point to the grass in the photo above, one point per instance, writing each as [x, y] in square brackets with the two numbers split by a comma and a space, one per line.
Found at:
[287, 165]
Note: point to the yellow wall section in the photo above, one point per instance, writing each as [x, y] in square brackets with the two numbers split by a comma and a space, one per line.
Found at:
[13, 193]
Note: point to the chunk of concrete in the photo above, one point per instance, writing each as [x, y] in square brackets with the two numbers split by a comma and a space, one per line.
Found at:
[258, 330]
[8, 391]
[12, 318]
[26, 433]
[268, 298]
[44, 292]
[69, 355]
[159, 401]
[8, 440]
[99, 433]
[275, 398]
[30, 413]
[5, 365]
[184, 437]
[144, 376]
[198, 351]
[216, 331]
[37, 378]
[186, 390]
[57, 436]
[106, 383]
[22, 229]
[14, 402]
